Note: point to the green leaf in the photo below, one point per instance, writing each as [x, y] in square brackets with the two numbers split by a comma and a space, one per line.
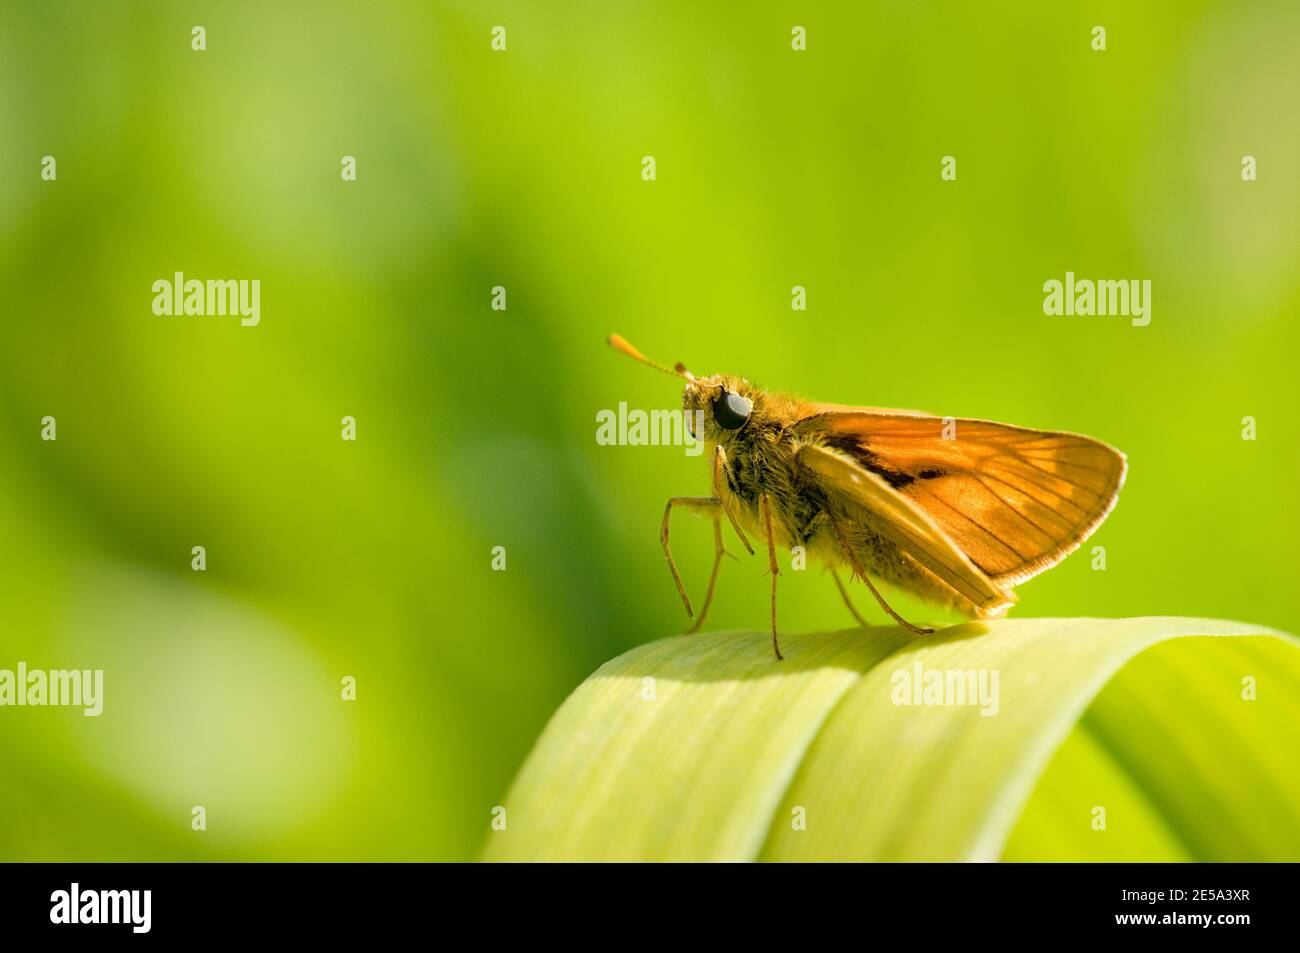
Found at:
[706, 748]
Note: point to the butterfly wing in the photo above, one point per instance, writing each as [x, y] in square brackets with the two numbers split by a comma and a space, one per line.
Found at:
[900, 521]
[1014, 501]
[818, 408]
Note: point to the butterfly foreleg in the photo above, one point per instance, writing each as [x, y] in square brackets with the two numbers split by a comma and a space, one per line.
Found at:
[719, 483]
[700, 503]
[766, 508]
[718, 552]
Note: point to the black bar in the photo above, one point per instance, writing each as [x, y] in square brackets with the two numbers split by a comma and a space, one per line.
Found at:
[332, 902]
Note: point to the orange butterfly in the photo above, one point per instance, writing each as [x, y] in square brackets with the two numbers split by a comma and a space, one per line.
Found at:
[956, 511]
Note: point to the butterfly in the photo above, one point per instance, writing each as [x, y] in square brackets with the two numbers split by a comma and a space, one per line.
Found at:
[955, 511]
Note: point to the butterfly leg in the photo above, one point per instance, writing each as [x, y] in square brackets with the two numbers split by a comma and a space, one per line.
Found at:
[844, 593]
[861, 574]
[766, 507]
[719, 472]
[718, 552]
[699, 503]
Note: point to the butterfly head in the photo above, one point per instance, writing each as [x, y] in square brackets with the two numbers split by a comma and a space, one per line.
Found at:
[724, 402]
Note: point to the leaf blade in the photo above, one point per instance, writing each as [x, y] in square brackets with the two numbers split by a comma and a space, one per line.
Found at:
[712, 766]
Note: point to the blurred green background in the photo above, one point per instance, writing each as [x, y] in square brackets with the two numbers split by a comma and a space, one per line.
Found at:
[476, 428]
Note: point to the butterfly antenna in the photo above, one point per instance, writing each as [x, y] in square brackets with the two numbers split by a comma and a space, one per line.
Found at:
[617, 342]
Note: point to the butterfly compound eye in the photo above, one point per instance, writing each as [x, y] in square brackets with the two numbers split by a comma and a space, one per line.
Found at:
[731, 410]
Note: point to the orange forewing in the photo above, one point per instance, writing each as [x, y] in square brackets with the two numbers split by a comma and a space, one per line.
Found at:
[1016, 501]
